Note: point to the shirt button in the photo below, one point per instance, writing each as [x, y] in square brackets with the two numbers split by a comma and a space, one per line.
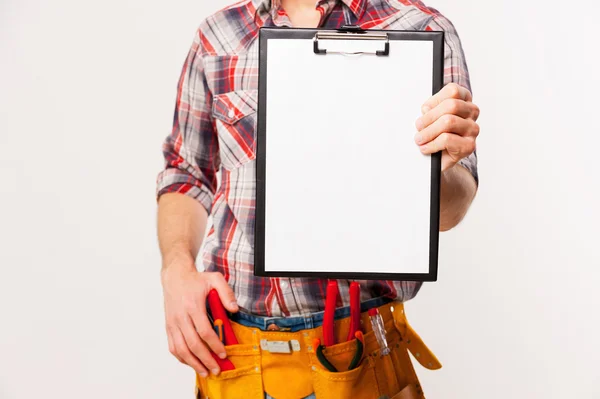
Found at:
[273, 327]
[283, 285]
[231, 113]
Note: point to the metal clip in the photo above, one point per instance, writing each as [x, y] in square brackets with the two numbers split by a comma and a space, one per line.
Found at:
[280, 346]
[351, 33]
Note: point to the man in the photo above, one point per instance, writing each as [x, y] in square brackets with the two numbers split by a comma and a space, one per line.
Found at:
[213, 132]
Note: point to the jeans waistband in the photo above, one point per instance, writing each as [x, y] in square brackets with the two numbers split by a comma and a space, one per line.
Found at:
[298, 323]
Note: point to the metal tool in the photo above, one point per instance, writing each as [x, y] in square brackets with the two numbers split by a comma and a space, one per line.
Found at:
[328, 325]
[360, 347]
[379, 330]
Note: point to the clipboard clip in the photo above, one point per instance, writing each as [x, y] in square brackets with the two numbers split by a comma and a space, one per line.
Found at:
[352, 32]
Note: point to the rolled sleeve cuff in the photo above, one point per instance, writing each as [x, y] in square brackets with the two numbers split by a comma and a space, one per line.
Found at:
[176, 181]
[470, 164]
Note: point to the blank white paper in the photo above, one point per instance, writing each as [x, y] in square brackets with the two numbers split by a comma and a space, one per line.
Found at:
[347, 189]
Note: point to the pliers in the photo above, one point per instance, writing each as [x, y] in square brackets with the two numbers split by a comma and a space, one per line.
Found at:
[328, 323]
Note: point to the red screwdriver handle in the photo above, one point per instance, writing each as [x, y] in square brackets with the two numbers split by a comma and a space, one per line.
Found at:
[218, 312]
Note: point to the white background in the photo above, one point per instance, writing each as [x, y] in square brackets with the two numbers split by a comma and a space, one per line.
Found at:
[87, 92]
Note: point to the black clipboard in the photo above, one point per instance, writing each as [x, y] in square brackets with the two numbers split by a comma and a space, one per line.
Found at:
[384, 41]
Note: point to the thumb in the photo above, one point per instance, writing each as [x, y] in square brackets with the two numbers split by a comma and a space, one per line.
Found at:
[226, 294]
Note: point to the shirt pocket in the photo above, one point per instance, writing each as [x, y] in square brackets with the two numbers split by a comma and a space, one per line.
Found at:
[234, 115]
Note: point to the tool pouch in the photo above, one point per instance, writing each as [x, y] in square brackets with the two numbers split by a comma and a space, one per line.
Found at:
[360, 382]
[391, 376]
[407, 340]
[243, 382]
[298, 374]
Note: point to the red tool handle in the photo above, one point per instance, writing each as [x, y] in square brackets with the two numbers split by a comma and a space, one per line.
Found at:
[330, 302]
[224, 364]
[218, 312]
[354, 310]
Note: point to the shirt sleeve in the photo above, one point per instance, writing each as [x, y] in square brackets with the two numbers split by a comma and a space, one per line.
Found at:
[455, 71]
[191, 151]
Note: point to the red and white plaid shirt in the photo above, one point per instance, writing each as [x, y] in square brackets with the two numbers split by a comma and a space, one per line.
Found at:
[214, 131]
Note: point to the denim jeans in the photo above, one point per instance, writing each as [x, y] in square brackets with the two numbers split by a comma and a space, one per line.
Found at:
[298, 323]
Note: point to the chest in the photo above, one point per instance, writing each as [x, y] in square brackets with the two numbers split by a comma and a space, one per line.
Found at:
[232, 75]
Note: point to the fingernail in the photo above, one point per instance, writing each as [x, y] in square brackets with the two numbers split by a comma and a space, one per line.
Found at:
[223, 355]
[418, 138]
[423, 148]
[215, 371]
[233, 304]
[203, 374]
[425, 109]
[419, 124]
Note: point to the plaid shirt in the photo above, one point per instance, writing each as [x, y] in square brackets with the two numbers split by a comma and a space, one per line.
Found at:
[214, 132]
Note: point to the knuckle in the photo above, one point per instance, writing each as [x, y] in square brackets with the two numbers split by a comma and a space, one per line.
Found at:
[179, 353]
[445, 138]
[476, 112]
[217, 277]
[471, 147]
[453, 106]
[453, 90]
[196, 347]
[447, 121]
[476, 130]
[205, 333]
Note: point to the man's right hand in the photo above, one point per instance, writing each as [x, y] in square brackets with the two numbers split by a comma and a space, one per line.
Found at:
[190, 334]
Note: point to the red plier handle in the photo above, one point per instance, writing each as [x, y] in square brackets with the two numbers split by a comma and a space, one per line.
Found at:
[330, 303]
[354, 310]
[328, 317]
[328, 324]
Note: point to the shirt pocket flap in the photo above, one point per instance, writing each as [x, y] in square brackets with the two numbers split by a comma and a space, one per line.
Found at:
[232, 106]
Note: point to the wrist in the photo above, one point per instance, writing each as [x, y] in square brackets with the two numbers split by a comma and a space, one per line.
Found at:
[179, 260]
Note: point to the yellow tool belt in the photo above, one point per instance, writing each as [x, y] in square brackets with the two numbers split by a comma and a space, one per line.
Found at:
[296, 373]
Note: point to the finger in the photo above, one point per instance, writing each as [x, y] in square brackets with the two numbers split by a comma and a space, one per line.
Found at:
[201, 324]
[194, 341]
[451, 90]
[457, 147]
[172, 346]
[225, 292]
[183, 352]
[447, 161]
[446, 124]
[450, 106]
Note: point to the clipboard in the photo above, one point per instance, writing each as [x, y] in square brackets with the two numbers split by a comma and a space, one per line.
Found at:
[342, 190]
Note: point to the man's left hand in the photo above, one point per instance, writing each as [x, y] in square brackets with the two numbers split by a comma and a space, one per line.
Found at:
[448, 124]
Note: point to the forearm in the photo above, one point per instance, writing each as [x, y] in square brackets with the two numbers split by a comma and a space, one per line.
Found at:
[181, 226]
[458, 189]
